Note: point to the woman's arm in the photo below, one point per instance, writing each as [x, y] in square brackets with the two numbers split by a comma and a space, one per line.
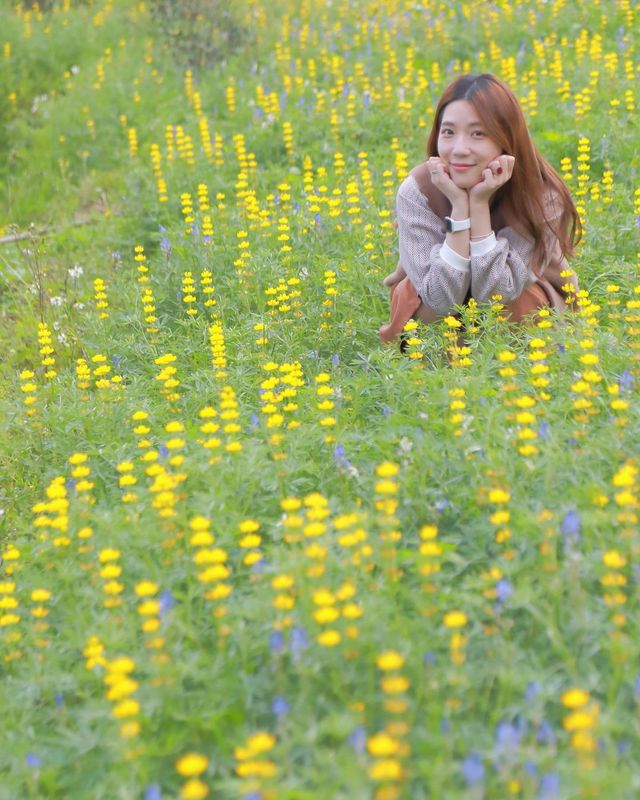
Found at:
[503, 264]
[440, 275]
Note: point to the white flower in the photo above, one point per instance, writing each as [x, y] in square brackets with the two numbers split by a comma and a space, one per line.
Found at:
[75, 272]
[74, 70]
[62, 338]
[405, 445]
[57, 300]
[78, 305]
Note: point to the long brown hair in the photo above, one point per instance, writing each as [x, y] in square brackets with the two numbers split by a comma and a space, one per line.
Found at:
[524, 196]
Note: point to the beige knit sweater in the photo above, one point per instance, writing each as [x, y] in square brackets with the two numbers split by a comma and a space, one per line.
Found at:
[505, 270]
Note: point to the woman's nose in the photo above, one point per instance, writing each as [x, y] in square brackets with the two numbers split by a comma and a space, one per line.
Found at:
[460, 145]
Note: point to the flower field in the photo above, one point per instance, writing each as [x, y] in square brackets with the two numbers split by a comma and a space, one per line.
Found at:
[248, 551]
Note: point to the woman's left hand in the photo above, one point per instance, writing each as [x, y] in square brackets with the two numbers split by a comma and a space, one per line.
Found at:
[496, 174]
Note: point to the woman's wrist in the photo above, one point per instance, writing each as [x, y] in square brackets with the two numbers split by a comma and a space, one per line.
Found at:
[460, 209]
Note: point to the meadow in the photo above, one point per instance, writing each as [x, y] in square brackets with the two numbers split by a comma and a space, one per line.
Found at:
[247, 550]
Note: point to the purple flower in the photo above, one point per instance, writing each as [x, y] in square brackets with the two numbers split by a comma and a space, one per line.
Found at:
[70, 485]
[33, 760]
[386, 411]
[442, 505]
[504, 590]
[472, 769]
[636, 685]
[58, 699]
[571, 524]
[545, 734]
[507, 736]
[153, 792]
[623, 746]
[298, 642]
[358, 739]
[533, 688]
[252, 796]
[339, 452]
[163, 451]
[255, 422]
[335, 359]
[549, 786]
[279, 707]
[429, 657]
[543, 431]
[317, 219]
[116, 360]
[626, 380]
[167, 602]
[165, 246]
[531, 768]
[276, 642]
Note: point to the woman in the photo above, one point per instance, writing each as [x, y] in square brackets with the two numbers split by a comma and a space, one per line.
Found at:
[484, 216]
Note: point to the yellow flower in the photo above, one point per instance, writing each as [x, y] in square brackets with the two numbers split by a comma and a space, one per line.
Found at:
[394, 684]
[122, 665]
[192, 764]
[126, 708]
[109, 554]
[579, 721]
[613, 559]
[389, 660]
[329, 638]
[455, 619]
[499, 496]
[382, 745]
[290, 504]
[40, 595]
[194, 789]
[386, 770]
[261, 742]
[248, 526]
[146, 588]
[387, 469]
[575, 698]
[123, 688]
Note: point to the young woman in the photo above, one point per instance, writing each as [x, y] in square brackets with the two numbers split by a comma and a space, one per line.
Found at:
[484, 215]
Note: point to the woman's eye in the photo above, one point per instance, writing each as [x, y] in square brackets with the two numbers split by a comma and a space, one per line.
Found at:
[478, 133]
[445, 131]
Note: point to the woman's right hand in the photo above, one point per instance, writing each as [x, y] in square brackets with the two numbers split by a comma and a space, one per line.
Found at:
[441, 179]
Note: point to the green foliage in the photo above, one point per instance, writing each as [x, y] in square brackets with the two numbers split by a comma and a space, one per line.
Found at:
[201, 34]
[523, 542]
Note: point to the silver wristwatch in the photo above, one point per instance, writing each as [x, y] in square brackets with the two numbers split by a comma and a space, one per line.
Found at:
[455, 225]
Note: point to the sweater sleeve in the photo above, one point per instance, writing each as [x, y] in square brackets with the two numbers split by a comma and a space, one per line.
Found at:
[421, 234]
[507, 269]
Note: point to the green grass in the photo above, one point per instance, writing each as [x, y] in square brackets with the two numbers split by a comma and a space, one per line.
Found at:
[481, 716]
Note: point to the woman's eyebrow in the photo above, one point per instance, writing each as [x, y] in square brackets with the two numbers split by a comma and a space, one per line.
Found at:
[473, 124]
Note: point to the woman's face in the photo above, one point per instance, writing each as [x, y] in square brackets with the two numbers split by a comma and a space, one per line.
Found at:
[463, 144]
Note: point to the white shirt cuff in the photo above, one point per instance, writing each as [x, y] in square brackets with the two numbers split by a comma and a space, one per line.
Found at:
[484, 246]
[454, 259]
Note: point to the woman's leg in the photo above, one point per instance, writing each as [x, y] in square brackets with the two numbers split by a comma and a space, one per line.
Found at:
[533, 298]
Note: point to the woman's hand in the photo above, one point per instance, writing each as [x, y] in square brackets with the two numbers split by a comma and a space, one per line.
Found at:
[441, 179]
[495, 175]
[395, 277]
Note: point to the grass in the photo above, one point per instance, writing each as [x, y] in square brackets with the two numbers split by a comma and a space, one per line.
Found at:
[331, 570]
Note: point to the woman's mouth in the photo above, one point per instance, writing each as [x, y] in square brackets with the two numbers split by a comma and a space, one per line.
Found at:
[461, 167]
